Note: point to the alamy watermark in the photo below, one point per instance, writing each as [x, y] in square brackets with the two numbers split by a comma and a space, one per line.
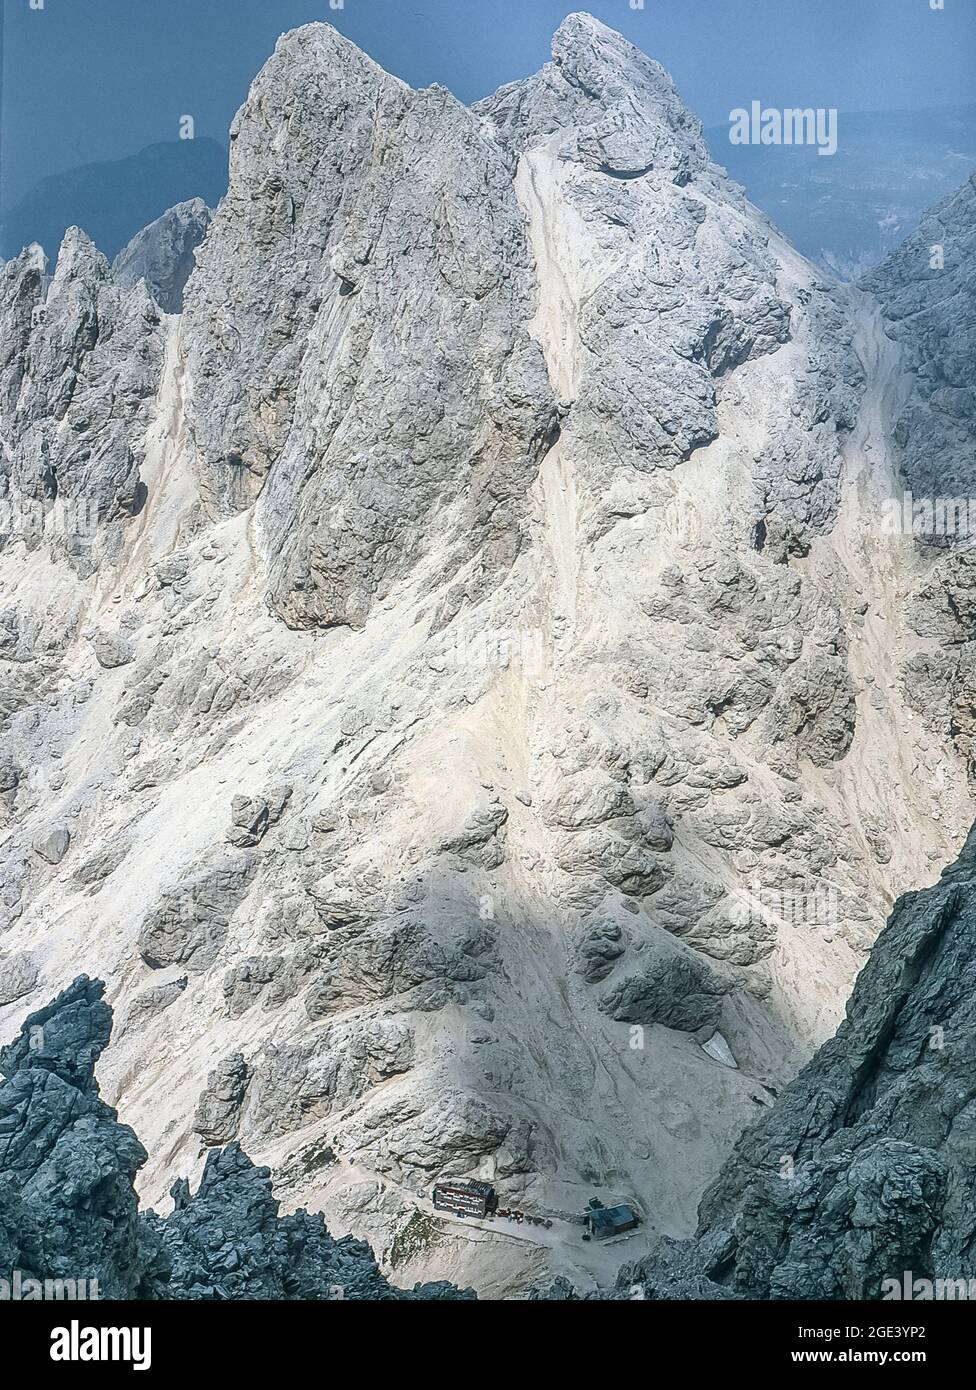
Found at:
[791, 125]
[78, 1343]
[499, 649]
[34, 520]
[952, 518]
[23, 1288]
[817, 906]
[911, 1290]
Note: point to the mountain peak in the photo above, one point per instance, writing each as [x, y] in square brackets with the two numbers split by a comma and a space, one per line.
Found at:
[162, 254]
[321, 46]
[450, 645]
[623, 106]
[603, 63]
[78, 254]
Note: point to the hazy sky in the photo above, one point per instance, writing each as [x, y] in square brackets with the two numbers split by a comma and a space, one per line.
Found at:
[97, 79]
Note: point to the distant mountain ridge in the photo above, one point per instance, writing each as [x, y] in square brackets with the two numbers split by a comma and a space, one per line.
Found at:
[115, 199]
[848, 212]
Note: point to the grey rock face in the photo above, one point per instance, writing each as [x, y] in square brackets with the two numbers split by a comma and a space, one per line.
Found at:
[226, 1240]
[638, 124]
[19, 975]
[927, 290]
[862, 1168]
[531, 410]
[190, 925]
[344, 284]
[112, 649]
[148, 1004]
[478, 841]
[85, 364]
[162, 254]
[696, 289]
[599, 949]
[674, 988]
[253, 816]
[395, 957]
[245, 982]
[20, 296]
[218, 1114]
[266, 248]
[66, 1164]
[53, 845]
[10, 771]
[93, 873]
[294, 1084]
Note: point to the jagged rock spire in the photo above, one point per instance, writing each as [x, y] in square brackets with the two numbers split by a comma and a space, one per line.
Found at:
[162, 254]
[66, 1165]
[68, 1208]
[66, 1037]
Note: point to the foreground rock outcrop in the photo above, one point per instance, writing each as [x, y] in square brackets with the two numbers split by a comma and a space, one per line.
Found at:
[68, 1208]
[861, 1171]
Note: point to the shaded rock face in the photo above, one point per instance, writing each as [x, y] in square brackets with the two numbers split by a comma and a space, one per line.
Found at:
[928, 292]
[162, 254]
[68, 1209]
[863, 1168]
[472, 664]
[927, 289]
[218, 1114]
[673, 987]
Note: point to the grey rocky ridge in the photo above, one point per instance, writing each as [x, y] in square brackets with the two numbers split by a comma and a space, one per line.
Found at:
[457, 689]
[162, 254]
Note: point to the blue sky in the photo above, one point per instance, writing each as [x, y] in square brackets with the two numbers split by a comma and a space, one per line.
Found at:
[98, 79]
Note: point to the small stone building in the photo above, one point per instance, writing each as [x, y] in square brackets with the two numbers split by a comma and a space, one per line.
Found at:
[604, 1222]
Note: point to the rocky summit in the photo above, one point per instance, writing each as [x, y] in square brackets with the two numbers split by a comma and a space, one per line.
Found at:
[477, 673]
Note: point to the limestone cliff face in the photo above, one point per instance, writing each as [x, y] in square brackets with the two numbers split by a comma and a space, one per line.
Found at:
[162, 254]
[359, 324]
[83, 356]
[927, 290]
[480, 683]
